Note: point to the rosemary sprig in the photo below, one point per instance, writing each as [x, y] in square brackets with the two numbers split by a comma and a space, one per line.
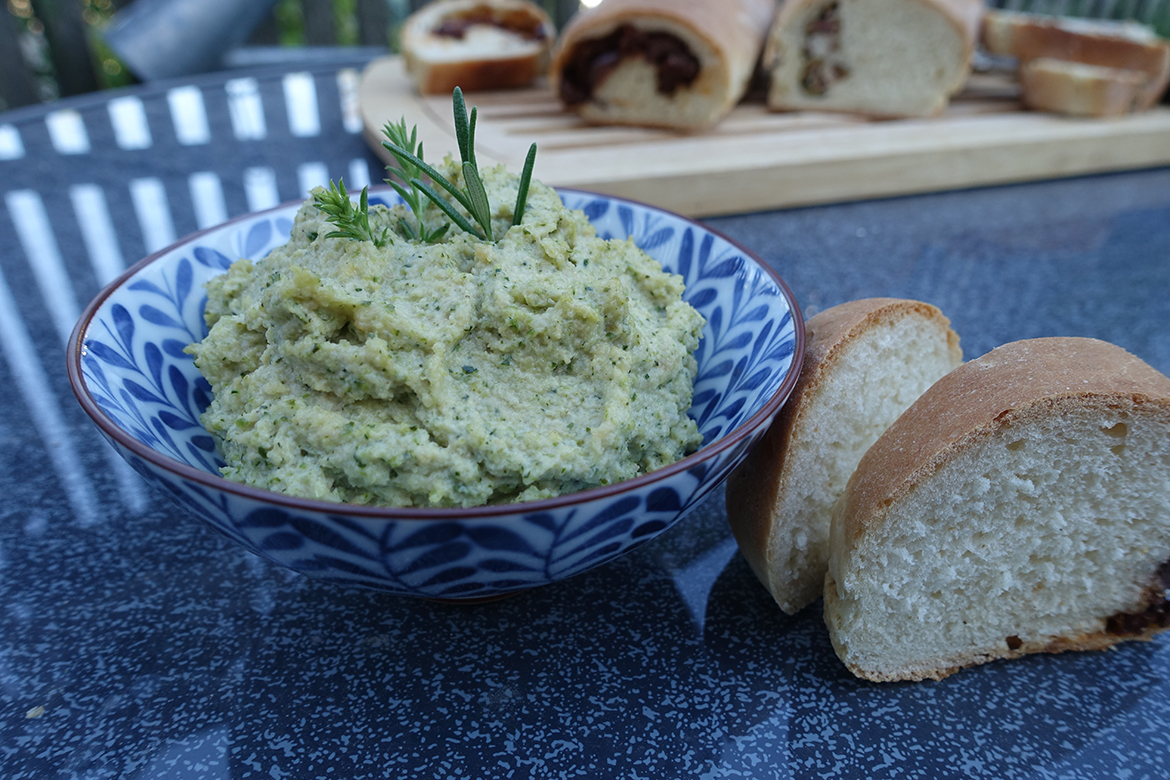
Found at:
[353, 223]
[412, 197]
[473, 198]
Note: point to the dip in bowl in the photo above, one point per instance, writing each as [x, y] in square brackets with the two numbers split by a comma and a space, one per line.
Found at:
[129, 370]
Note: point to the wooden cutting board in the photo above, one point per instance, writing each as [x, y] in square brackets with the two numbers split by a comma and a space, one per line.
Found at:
[755, 160]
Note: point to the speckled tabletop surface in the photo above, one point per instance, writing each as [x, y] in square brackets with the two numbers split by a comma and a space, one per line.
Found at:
[135, 643]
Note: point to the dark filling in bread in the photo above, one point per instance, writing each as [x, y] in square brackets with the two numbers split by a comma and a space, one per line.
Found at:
[591, 62]
[1156, 615]
[522, 24]
[821, 52]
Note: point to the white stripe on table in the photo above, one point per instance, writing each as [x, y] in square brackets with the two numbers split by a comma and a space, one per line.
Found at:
[207, 199]
[246, 109]
[34, 387]
[359, 175]
[310, 175]
[11, 147]
[44, 258]
[67, 131]
[36, 237]
[300, 99]
[128, 118]
[188, 115]
[347, 87]
[260, 188]
[153, 212]
[97, 231]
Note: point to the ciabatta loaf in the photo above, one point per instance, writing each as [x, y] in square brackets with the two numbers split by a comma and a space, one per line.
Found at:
[880, 58]
[1077, 89]
[476, 45]
[679, 64]
[1111, 44]
[1021, 505]
[865, 361]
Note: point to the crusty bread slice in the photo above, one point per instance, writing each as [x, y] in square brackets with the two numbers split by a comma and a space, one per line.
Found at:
[677, 64]
[1021, 505]
[1077, 89]
[1111, 44]
[865, 362]
[476, 45]
[880, 58]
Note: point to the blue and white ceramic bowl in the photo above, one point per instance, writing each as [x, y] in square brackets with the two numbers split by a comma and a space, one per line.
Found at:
[129, 371]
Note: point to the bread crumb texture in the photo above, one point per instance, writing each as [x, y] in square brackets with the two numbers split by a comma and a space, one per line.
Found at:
[1027, 533]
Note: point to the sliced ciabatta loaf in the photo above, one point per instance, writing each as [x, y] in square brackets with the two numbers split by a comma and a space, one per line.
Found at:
[881, 58]
[1077, 89]
[476, 45]
[1110, 44]
[1021, 505]
[865, 362]
[678, 64]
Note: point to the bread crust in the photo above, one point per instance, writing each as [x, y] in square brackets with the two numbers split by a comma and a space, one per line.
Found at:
[1010, 384]
[478, 70]
[1108, 44]
[754, 488]
[964, 16]
[732, 34]
[1013, 385]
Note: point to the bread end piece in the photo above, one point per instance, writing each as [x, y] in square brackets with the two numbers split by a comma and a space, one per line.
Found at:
[865, 361]
[1021, 505]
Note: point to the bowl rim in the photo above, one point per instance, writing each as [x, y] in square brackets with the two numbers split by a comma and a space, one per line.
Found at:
[75, 345]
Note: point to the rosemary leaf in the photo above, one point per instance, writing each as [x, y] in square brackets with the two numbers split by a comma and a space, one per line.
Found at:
[459, 220]
[434, 175]
[462, 132]
[481, 210]
[525, 180]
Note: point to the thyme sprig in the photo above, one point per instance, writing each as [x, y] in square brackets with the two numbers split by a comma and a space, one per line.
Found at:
[351, 222]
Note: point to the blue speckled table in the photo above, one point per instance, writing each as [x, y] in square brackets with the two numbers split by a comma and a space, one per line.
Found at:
[134, 643]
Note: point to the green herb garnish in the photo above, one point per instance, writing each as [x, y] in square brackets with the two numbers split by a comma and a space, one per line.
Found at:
[413, 197]
[353, 223]
[473, 198]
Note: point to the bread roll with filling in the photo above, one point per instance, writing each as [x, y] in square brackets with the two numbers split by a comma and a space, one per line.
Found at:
[679, 64]
[879, 58]
[1021, 505]
[476, 45]
[865, 361]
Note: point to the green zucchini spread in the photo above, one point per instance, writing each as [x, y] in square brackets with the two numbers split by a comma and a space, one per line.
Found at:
[456, 373]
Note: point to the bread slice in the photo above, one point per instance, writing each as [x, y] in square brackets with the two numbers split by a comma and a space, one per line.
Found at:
[1111, 44]
[1077, 89]
[1021, 505]
[880, 58]
[865, 362]
[677, 64]
[476, 45]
